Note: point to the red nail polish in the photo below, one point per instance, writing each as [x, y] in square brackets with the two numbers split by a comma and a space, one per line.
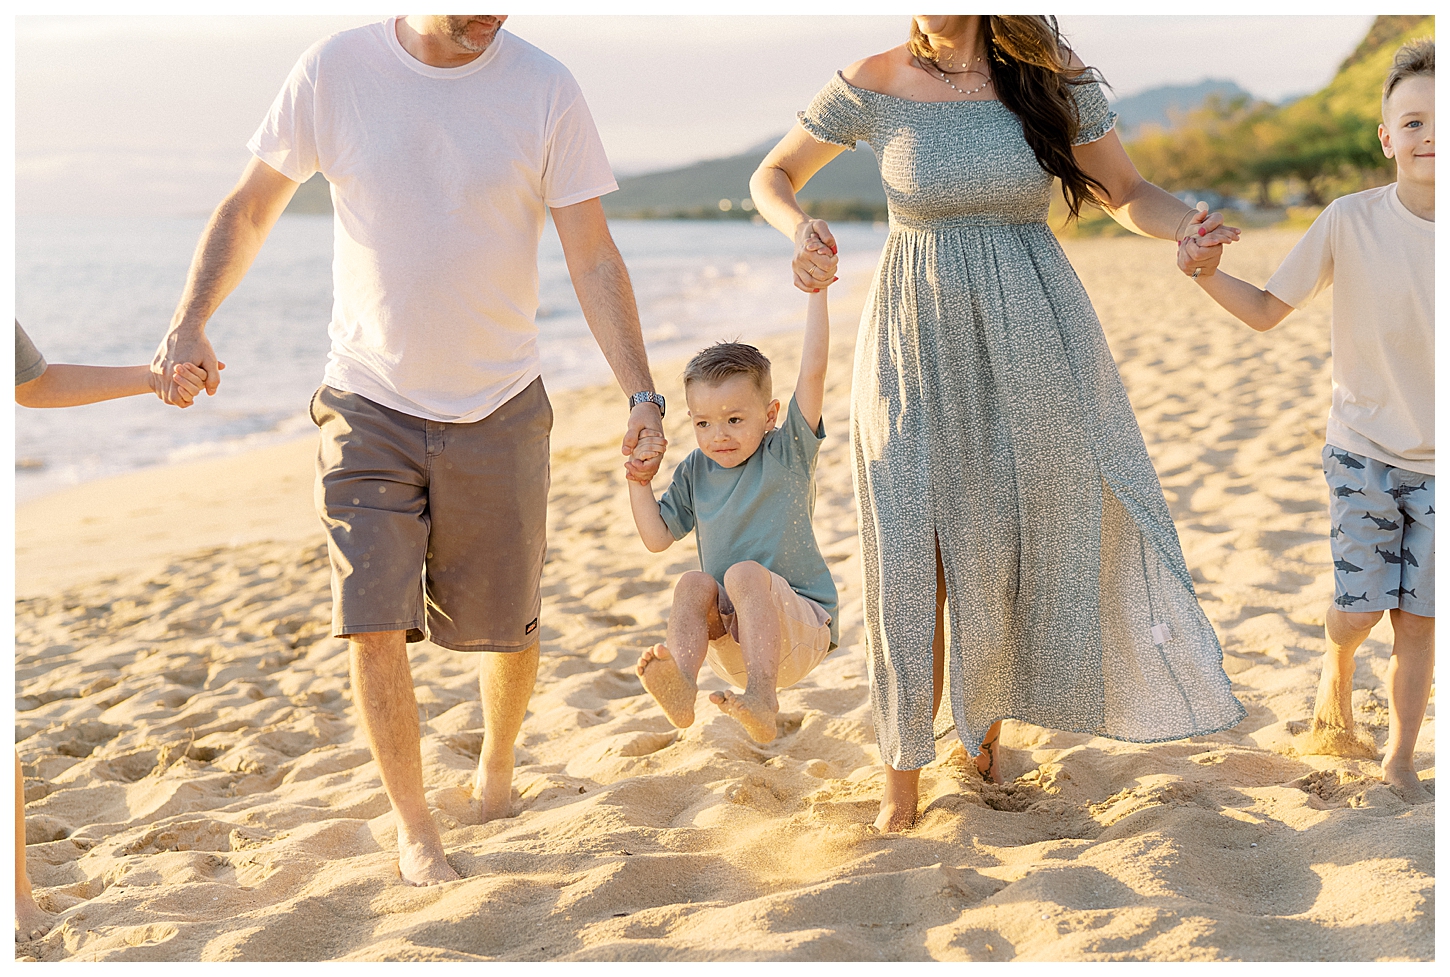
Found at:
[1202, 231]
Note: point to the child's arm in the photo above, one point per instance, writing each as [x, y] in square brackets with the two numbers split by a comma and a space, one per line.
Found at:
[66, 385]
[810, 387]
[652, 529]
[1257, 308]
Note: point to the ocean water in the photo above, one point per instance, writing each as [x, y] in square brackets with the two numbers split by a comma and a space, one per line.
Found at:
[103, 291]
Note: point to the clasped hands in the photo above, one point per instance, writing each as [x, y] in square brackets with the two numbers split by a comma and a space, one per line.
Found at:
[183, 366]
[1201, 245]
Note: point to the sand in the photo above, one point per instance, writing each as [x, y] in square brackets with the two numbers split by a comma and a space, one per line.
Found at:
[198, 789]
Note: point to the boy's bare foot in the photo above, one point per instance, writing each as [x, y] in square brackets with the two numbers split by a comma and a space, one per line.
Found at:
[31, 922]
[898, 800]
[421, 861]
[751, 711]
[664, 681]
[493, 788]
[1335, 740]
[1406, 783]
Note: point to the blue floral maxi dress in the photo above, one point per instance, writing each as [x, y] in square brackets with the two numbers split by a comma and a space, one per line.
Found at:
[988, 419]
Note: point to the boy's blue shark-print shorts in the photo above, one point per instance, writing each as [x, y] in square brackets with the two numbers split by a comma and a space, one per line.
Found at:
[1381, 534]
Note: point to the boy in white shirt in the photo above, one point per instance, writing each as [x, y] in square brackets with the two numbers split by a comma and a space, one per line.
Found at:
[1378, 248]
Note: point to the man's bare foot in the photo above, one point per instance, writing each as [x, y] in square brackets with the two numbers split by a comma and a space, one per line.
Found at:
[752, 711]
[31, 922]
[1333, 740]
[421, 861]
[1406, 783]
[493, 788]
[898, 800]
[663, 680]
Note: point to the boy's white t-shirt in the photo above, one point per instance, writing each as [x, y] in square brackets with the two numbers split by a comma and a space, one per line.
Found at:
[440, 179]
[1380, 258]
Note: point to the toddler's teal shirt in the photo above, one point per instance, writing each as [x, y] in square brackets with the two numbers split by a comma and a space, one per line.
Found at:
[759, 510]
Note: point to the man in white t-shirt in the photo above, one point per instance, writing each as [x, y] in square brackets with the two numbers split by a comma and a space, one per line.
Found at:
[446, 141]
[1377, 248]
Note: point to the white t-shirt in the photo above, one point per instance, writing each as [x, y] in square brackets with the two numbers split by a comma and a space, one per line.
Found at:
[1380, 258]
[440, 179]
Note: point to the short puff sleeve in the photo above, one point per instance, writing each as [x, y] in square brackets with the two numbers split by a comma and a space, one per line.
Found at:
[838, 114]
[1095, 119]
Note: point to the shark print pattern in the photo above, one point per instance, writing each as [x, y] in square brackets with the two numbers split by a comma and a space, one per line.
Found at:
[1382, 534]
[989, 423]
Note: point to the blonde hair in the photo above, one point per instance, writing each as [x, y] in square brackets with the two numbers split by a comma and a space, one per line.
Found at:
[718, 363]
[1415, 59]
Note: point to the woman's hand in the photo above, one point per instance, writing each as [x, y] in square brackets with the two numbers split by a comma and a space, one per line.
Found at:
[815, 258]
[1201, 247]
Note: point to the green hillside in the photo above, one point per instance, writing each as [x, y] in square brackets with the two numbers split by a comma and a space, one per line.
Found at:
[849, 185]
[1320, 146]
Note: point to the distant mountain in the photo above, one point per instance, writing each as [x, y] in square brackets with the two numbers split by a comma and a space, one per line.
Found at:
[848, 186]
[696, 190]
[1159, 106]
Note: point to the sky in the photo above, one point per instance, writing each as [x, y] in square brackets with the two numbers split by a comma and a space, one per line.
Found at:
[149, 115]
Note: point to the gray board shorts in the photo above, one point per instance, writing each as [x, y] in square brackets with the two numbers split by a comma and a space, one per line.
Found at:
[434, 528]
[1381, 534]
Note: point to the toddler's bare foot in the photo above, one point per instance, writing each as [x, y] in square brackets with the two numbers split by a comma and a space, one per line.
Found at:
[31, 922]
[663, 680]
[898, 801]
[1406, 782]
[421, 861]
[493, 788]
[1333, 740]
[751, 711]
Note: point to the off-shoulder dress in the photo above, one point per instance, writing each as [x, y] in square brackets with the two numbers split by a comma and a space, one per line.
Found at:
[989, 421]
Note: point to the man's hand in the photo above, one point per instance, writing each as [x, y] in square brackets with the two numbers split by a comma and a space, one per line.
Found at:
[649, 451]
[177, 349]
[189, 379]
[644, 419]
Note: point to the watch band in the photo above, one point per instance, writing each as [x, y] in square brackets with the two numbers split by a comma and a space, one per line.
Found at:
[648, 397]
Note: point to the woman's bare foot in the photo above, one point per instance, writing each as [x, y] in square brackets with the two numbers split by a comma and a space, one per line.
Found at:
[1406, 782]
[421, 861]
[664, 681]
[898, 800]
[755, 712]
[987, 757]
[31, 922]
[493, 787]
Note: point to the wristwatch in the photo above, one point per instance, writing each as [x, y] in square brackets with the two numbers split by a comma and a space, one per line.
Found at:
[648, 397]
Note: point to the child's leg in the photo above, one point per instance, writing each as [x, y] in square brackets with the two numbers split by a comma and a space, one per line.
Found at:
[668, 671]
[1332, 730]
[1412, 669]
[748, 586]
[1365, 532]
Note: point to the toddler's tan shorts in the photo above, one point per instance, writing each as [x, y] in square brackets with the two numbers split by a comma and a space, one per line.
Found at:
[805, 631]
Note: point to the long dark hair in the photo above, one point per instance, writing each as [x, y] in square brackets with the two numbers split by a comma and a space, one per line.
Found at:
[1031, 69]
